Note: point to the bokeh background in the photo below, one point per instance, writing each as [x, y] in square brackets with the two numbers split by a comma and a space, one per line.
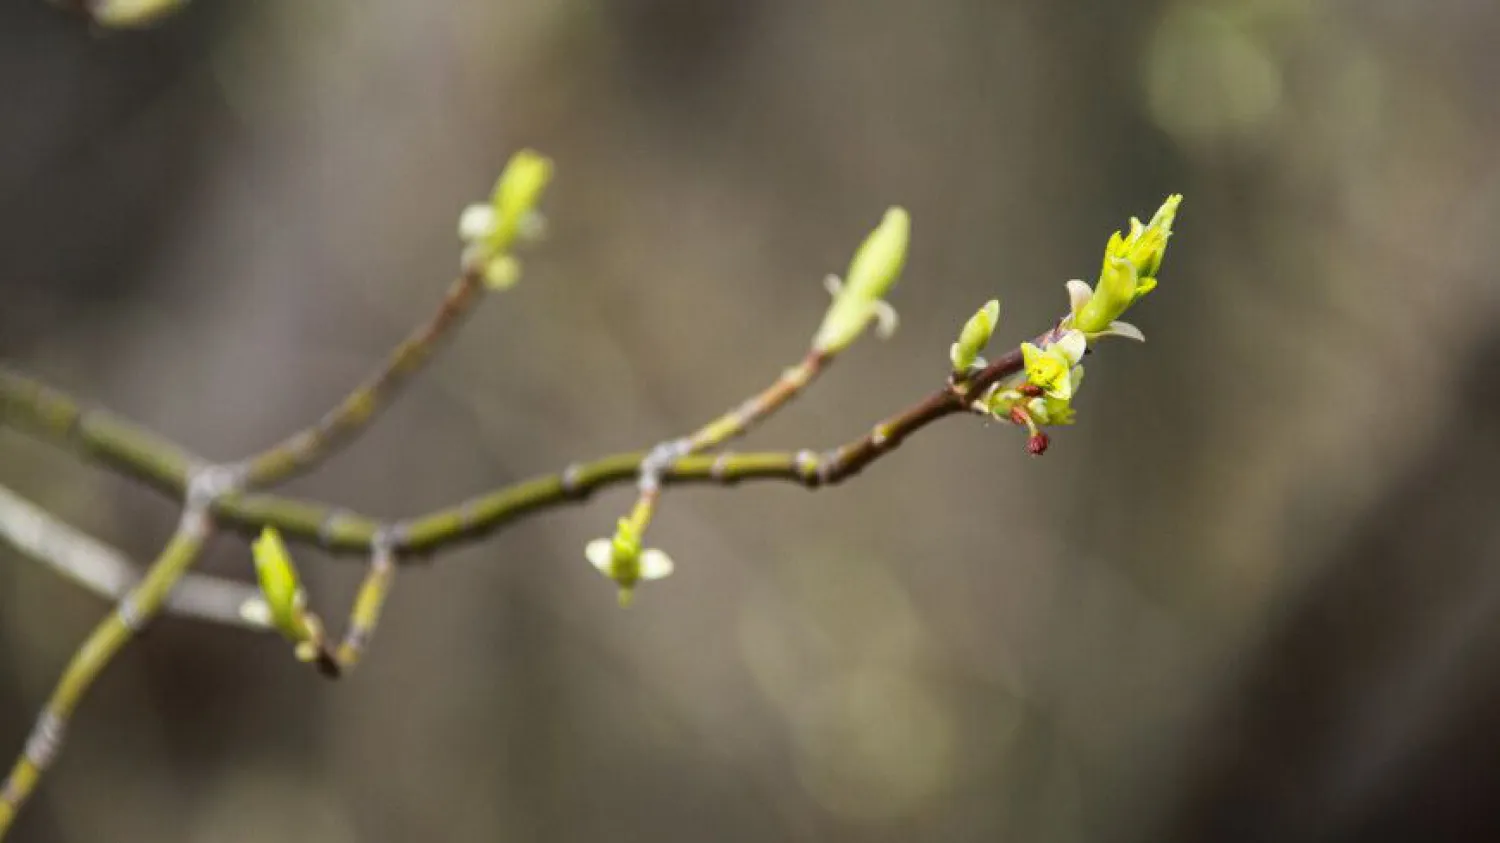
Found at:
[1253, 595]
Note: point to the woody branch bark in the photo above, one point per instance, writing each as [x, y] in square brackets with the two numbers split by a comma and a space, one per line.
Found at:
[303, 450]
[132, 613]
[1042, 396]
[26, 404]
[109, 573]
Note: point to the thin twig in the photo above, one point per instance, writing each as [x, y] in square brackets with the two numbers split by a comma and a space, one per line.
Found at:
[730, 425]
[791, 383]
[108, 573]
[306, 448]
[140, 605]
[368, 605]
[99, 435]
[337, 662]
[343, 531]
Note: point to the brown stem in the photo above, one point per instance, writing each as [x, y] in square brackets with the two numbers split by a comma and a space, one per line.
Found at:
[306, 448]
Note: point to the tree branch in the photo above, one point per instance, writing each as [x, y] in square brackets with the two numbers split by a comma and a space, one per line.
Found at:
[29, 405]
[140, 605]
[95, 434]
[306, 448]
[109, 573]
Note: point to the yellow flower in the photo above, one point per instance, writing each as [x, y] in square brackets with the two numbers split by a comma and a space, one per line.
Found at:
[1054, 369]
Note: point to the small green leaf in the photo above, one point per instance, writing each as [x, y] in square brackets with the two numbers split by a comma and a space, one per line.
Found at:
[974, 337]
[279, 584]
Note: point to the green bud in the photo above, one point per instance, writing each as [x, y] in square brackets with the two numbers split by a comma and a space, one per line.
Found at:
[879, 261]
[1151, 244]
[280, 586]
[516, 195]
[876, 266]
[626, 543]
[1131, 263]
[1146, 245]
[502, 273]
[1112, 296]
[1054, 368]
[974, 337]
[622, 560]
[131, 13]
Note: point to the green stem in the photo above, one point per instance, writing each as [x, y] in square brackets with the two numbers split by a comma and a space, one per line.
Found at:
[308, 447]
[109, 573]
[368, 604]
[758, 408]
[728, 426]
[96, 434]
[343, 531]
[336, 662]
[138, 608]
[133, 450]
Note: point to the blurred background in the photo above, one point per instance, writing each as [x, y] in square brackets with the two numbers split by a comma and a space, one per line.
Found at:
[1253, 595]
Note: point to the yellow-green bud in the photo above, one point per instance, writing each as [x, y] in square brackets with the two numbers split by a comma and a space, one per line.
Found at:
[516, 195]
[621, 559]
[130, 13]
[879, 261]
[872, 273]
[1129, 272]
[626, 543]
[974, 337]
[1147, 244]
[1112, 296]
[502, 273]
[280, 586]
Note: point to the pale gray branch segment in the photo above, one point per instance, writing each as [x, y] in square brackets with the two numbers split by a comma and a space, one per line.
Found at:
[109, 573]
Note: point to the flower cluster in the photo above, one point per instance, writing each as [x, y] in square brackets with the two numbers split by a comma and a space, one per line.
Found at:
[1131, 262]
[1042, 393]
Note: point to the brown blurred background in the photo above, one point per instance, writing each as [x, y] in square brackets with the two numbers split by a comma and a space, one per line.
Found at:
[1253, 595]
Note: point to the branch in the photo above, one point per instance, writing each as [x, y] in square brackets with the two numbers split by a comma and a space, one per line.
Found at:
[741, 419]
[1032, 386]
[26, 404]
[728, 426]
[306, 448]
[279, 580]
[490, 231]
[109, 573]
[140, 605]
[139, 453]
[94, 434]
